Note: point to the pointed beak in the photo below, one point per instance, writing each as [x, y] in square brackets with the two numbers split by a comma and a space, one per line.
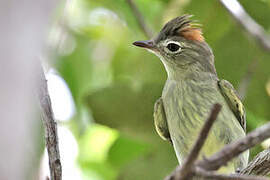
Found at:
[145, 44]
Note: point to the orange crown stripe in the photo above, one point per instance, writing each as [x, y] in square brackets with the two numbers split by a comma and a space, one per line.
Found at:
[190, 33]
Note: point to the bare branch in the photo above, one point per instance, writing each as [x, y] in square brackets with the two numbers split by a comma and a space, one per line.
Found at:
[251, 26]
[213, 175]
[50, 126]
[194, 153]
[147, 31]
[231, 150]
[260, 165]
[204, 168]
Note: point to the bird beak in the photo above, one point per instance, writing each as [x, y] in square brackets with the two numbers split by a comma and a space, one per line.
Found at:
[145, 44]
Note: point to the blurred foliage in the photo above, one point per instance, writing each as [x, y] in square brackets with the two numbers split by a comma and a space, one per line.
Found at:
[119, 83]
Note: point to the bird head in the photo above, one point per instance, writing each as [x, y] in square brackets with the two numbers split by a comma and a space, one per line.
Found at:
[181, 47]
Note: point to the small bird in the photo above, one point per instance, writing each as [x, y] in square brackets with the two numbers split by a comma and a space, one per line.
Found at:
[191, 90]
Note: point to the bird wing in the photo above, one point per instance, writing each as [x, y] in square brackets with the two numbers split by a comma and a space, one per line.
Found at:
[233, 100]
[160, 120]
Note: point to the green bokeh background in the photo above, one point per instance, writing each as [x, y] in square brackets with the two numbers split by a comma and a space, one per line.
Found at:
[115, 85]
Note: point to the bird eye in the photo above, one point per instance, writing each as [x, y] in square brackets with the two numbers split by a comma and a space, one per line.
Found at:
[173, 47]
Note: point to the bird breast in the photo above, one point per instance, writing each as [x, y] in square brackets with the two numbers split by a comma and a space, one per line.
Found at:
[187, 105]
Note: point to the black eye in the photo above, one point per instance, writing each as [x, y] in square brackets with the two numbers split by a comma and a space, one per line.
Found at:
[173, 47]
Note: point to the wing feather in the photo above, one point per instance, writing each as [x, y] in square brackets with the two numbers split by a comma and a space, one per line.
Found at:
[161, 121]
[233, 100]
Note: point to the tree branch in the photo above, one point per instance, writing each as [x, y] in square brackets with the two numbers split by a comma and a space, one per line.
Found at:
[194, 153]
[204, 168]
[50, 126]
[251, 26]
[260, 165]
[231, 150]
[213, 175]
[144, 27]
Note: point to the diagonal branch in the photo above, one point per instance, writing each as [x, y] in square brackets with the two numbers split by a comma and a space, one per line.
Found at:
[204, 168]
[146, 30]
[50, 126]
[251, 26]
[231, 150]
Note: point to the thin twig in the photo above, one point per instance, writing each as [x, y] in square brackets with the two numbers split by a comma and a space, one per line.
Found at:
[260, 165]
[213, 175]
[50, 126]
[231, 150]
[146, 30]
[251, 26]
[244, 83]
[194, 153]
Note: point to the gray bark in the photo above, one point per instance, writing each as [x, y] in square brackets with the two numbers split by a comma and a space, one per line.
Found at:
[24, 25]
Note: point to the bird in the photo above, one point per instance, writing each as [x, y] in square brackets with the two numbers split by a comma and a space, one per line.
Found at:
[191, 89]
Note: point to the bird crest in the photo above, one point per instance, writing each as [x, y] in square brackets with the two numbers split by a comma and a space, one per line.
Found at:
[183, 26]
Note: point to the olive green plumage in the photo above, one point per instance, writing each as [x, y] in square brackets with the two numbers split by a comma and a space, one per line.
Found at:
[192, 88]
[233, 101]
[228, 93]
